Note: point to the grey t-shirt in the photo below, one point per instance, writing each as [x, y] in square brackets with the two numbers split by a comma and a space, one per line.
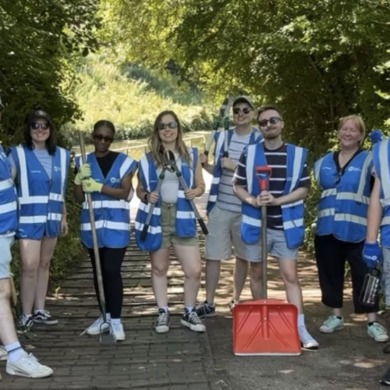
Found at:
[43, 157]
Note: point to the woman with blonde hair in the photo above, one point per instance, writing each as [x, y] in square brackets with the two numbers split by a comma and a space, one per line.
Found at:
[345, 180]
[173, 221]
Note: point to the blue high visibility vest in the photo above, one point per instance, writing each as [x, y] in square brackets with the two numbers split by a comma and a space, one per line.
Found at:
[112, 216]
[381, 159]
[343, 206]
[292, 213]
[8, 197]
[185, 223]
[255, 137]
[40, 198]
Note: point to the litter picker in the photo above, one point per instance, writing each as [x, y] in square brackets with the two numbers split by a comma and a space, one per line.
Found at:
[226, 123]
[153, 205]
[171, 162]
[106, 336]
[265, 326]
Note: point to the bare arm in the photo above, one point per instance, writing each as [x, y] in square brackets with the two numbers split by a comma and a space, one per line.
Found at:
[199, 181]
[374, 215]
[244, 195]
[78, 193]
[298, 194]
[123, 191]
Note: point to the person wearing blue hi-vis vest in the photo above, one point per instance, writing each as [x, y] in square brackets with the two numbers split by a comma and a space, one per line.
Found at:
[289, 184]
[173, 222]
[107, 176]
[378, 220]
[345, 180]
[19, 362]
[224, 208]
[41, 169]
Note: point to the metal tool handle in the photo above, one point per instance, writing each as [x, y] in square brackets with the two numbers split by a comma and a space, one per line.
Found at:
[94, 238]
[152, 206]
[170, 157]
[263, 174]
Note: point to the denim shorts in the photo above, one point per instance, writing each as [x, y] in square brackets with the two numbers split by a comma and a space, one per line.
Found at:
[277, 247]
[5, 255]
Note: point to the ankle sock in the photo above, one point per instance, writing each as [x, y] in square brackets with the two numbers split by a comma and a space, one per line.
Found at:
[115, 321]
[189, 308]
[15, 351]
[301, 320]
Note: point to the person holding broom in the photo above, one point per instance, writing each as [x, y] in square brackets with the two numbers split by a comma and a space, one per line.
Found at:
[173, 222]
[19, 362]
[107, 176]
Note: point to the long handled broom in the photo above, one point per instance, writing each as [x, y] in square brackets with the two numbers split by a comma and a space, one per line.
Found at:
[105, 337]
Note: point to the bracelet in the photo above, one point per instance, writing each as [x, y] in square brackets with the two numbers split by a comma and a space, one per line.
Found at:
[146, 196]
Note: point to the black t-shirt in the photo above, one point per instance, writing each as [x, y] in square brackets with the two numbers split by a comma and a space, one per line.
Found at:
[106, 162]
[277, 160]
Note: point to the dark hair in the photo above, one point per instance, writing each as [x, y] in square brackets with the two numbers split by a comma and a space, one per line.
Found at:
[104, 123]
[51, 142]
[267, 108]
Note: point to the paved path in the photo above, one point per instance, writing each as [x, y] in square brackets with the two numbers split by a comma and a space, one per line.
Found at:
[183, 360]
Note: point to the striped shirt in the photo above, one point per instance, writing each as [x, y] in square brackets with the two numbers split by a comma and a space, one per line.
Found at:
[277, 161]
[226, 200]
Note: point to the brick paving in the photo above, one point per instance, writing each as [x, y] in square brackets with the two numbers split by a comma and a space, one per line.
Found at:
[179, 360]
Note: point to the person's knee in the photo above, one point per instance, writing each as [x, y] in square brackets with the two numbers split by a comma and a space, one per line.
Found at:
[290, 278]
[159, 270]
[30, 267]
[5, 291]
[255, 271]
[44, 264]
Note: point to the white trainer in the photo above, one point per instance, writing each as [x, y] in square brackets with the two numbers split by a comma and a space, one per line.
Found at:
[94, 329]
[117, 330]
[28, 367]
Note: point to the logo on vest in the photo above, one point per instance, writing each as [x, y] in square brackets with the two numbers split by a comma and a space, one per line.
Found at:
[114, 180]
[57, 169]
[35, 171]
[354, 169]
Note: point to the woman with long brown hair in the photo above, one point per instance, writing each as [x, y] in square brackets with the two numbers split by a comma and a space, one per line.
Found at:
[173, 222]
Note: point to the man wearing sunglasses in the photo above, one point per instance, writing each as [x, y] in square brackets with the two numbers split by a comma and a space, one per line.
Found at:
[224, 208]
[288, 185]
[19, 362]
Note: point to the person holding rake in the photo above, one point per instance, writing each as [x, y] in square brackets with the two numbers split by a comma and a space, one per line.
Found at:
[173, 221]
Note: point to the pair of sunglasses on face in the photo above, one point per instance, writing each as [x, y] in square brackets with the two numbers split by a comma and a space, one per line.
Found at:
[272, 121]
[100, 138]
[36, 126]
[245, 110]
[169, 125]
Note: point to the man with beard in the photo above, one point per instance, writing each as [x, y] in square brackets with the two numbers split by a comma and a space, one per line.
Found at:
[289, 184]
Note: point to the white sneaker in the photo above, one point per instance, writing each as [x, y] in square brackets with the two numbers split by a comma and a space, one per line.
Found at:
[94, 329]
[3, 353]
[307, 341]
[117, 330]
[29, 367]
[331, 324]
[378, 332]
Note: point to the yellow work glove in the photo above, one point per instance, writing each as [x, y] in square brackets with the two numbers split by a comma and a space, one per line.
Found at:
[84, 172]
[90, 185]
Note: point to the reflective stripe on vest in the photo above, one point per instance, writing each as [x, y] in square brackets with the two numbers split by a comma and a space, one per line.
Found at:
[40, 199]
[256, 136]
[185, 224]
[112, 216]
[8, 197]
[343, 207]
[381, 156]
[292, 213]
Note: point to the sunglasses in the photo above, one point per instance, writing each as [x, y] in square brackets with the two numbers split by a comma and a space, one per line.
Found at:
[170, 125]
[244, 110]
[100, 138]
[36, 126]
[272, 121]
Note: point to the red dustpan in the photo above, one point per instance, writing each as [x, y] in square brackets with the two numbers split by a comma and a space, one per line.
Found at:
[265, 326]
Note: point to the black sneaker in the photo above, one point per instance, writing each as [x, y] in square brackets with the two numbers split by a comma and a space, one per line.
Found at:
[192, 321]
[25, 323]
[386, 378]
[205, 310]
[44, 317]
[162, 323]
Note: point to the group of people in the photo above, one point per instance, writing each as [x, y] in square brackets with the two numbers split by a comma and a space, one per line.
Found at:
[33, 183]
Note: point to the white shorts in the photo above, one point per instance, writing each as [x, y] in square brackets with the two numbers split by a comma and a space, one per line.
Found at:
[5, 255]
